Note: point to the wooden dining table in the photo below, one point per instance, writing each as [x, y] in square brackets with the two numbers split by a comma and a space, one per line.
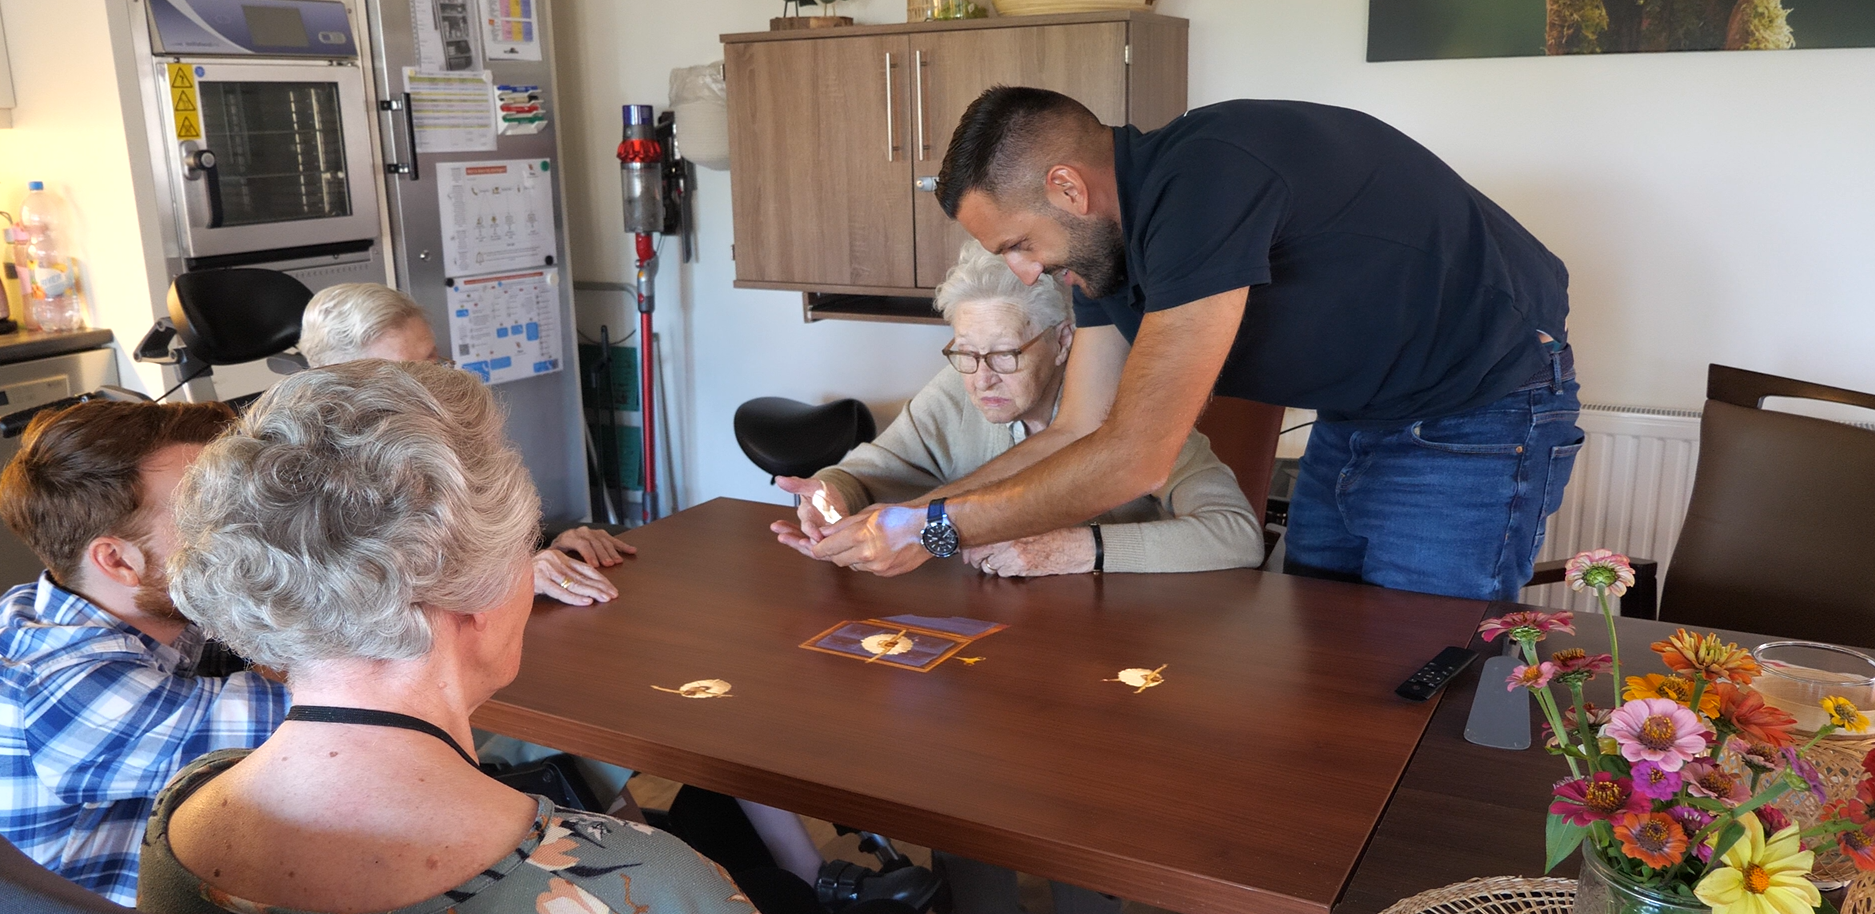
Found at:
[1272, 770]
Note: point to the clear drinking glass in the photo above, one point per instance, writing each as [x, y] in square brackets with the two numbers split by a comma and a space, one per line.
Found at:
[1798, 675]
[1602, 890]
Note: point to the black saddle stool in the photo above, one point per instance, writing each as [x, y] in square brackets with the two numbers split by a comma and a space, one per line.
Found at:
[790, 438]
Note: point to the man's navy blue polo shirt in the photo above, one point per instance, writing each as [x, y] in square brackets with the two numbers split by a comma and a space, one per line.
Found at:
[1383, 288]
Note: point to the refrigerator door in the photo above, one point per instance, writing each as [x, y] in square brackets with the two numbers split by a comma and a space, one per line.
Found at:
[545, 418]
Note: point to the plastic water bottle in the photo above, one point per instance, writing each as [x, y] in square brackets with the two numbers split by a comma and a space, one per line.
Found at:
[11, 257]
[48, 279]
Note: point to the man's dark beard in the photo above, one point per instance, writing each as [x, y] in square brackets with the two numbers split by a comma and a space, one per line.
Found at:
[153, 594]
[1096, 253]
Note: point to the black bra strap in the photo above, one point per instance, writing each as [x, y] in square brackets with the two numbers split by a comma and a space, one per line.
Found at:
[326, 714]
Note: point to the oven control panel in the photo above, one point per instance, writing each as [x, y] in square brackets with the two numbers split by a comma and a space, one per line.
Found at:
[252, 28]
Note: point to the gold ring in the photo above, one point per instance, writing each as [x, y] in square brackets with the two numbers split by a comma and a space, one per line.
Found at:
[566, 583]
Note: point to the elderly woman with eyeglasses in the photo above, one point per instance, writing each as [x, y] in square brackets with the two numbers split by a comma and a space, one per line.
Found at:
[1003, 385]
[365, 320]
[368, 530]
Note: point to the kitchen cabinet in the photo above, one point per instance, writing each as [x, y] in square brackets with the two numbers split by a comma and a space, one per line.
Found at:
[836, 137]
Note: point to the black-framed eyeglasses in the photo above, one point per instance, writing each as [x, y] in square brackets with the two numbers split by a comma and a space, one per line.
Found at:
[1002, 361]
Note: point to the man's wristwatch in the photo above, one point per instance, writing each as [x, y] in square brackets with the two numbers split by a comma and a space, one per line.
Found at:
[939, 537]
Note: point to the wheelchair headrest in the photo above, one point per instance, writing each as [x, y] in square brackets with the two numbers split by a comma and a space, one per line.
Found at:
[237, 315]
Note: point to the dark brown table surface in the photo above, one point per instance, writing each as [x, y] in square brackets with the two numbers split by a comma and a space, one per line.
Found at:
[1250, 780]
[1463, 810]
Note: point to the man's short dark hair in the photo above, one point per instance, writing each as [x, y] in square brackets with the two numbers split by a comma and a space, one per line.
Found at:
[994, 146]
[79, 473]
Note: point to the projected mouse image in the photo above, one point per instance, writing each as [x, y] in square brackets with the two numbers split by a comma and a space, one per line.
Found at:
[1434, 29]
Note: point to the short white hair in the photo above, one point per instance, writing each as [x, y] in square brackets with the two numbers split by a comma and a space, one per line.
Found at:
[343, 320]
[982, 276]
[345, 502]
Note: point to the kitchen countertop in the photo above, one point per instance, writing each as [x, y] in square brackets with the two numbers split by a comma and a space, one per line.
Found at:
[24, 345]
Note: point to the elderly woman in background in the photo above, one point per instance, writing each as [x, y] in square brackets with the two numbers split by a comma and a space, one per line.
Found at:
[362, 320]
[368, 530]
[1003, 385]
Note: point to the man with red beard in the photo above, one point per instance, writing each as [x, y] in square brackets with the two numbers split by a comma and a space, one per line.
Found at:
[102, 692]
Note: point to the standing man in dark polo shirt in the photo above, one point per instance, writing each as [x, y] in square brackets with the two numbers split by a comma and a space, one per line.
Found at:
[1286, 252]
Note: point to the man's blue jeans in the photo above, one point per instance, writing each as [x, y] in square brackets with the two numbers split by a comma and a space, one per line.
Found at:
[1452, 506]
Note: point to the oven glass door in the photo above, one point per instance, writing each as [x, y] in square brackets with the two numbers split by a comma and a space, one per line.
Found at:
[289, 159]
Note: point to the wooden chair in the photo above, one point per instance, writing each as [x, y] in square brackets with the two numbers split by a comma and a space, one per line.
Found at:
[1243, 434]
[1777, 536]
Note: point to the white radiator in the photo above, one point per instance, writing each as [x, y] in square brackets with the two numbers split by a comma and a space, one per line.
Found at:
[1628, 493]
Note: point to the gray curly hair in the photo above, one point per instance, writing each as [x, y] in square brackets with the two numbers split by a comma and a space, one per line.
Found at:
[350, 499]
[982, 276]
[342, 320]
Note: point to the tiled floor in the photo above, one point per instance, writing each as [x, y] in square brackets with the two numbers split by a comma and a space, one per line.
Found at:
[656, 793]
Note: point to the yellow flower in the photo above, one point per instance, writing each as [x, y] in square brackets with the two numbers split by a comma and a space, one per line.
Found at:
[1677, 689]
[1843, 713]
[1761, 876]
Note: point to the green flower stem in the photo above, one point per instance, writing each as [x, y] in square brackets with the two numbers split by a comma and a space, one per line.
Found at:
[1699, 691]
[1547, 702]
[1614, 643]
[1590, 745]
[1826, 730]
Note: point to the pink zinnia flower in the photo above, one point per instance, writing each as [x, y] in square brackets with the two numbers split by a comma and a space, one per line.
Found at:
[1802, 768]
[1604, 796]
[1692, 818]
[1528, 625]
[1576, 665]
[1599, 568]
[1656, 730]
[1706, 779]
[1529, 677]
[1655, 782]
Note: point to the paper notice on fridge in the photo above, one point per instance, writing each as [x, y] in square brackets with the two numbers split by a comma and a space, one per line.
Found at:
[452, 112]
[506, 326]
[496, 215]
[445, 35]
[510, 30]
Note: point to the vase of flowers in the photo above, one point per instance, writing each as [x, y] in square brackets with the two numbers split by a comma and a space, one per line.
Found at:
[1669, 794]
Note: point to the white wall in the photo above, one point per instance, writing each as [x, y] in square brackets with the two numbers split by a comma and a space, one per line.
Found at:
[70, 131]
[1711, 206]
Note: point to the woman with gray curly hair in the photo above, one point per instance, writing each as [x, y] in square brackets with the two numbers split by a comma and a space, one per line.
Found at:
[365, 320]
[368, 530]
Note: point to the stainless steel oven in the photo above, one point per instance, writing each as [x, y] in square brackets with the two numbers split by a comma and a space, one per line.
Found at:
[265, 123]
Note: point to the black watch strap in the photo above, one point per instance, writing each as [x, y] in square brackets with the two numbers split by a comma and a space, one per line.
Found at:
[1100, 550]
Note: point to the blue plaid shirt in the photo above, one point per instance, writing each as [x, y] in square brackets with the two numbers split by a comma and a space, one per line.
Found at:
[95, 718]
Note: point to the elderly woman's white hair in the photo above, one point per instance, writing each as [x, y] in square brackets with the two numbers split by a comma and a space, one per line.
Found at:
[342, 320]
[346, 498]
[982, 276]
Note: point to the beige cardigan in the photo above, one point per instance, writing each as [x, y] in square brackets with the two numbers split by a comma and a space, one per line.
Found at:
[1198, 521]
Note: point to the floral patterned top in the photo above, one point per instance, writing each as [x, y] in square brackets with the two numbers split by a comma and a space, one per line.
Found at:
[571, 862]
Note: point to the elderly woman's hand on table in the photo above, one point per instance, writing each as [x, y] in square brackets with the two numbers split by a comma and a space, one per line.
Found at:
[569, 580]
[1069, 550]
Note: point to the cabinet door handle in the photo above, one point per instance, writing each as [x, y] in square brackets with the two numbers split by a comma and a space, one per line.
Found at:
[891, 136]
[917, 95]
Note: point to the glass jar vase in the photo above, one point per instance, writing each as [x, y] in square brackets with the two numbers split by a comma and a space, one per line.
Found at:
[1601, 889]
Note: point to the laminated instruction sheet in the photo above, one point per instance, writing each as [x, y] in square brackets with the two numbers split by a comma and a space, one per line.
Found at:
[507, 326]
[513, 30]
[496, 215]
[452, 112]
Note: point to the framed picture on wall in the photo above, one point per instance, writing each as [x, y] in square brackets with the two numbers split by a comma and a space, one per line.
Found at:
[1440, 29]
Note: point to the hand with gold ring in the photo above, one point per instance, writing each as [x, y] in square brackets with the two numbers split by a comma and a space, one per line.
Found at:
[570, 580]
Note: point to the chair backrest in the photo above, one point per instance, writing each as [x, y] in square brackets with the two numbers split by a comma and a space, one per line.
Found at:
[28, 888]
[1243, 434]
[790, 438]
[1776, 537]
[237, 315]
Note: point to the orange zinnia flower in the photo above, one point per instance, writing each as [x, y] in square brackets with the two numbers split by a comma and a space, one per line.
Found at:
[1653, 838]
[1707, 657]
[1746, 713]
[1677, 689]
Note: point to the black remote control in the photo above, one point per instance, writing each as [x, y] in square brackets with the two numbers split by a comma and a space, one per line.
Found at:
[1435, 673]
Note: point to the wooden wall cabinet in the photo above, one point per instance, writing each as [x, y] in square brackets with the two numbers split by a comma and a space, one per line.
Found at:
[836, 137]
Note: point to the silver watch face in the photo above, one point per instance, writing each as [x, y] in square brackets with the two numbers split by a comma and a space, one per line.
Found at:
[940, 539]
